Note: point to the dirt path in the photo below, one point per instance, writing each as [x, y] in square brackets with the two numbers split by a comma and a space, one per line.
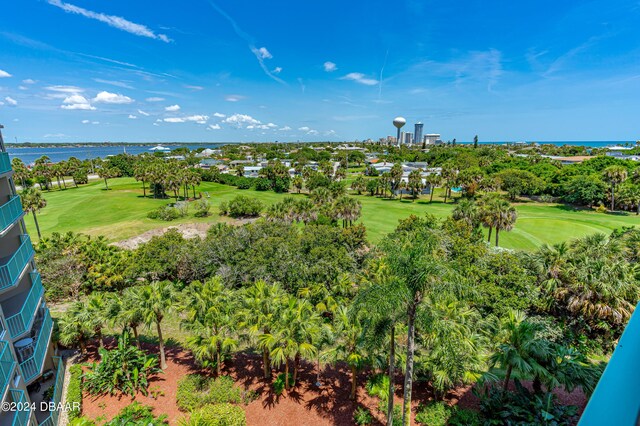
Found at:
[188, 230]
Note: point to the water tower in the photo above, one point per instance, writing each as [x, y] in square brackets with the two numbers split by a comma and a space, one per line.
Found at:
[399, 122]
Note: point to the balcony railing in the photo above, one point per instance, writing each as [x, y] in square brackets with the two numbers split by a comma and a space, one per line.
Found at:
[23, 410]
[19, 323]
[52, 420]
[7, 365]
[10, 271]
[5, 163]
[10, 211]
[31, 366]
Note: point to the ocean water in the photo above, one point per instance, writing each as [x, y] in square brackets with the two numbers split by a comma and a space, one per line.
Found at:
[29, 155]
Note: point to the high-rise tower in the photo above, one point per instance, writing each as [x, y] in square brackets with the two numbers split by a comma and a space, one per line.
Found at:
[417, 134]
[28, 366]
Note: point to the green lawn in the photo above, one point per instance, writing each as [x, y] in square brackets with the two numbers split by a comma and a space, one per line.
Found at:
[122, 213]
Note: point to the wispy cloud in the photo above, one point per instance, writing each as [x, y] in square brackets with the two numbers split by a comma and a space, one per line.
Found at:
[219, 115]
[260, 53]
[111, 20]
[360, 78]
[172, 108]
[154, 99]
[113, 83]
[4, 74]
[233, 98]
[214, 127]
[330, 66]
[132, 117]
[195, 88]
[10, 101]
[141, 112]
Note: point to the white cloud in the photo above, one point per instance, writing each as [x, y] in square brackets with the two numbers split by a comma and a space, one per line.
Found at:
[132, 117]
[174, 120]
[112, 98]
[304, 129]
[330, 66]
[240, 120]
[1, 103]
[10, 101]
[330, 133]
[154, 99]
[141, 112]
[200, 119]
[233, 98]
[29, 81]
[95, 122]
[360, 78]
[277, 70]
[312, 132]
[263, 53]
[65, 89]
[155, 124]
[172, 108]
[285, 128]
[113, 83]
[55, 135]
[4, 74]
[85, 122]
[76, 101]
[217, 114]
[113, 21]
[214, 127]
[23, 88]
[187, 86]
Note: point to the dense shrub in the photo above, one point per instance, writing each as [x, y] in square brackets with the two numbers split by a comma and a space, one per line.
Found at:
[434, 414]
[378, 385]
[242, 206]
[203, 208]
[167, 213]
[196, 391]
[244, 183]
[263, 184]
[465, 417]
[74, 391]
[137, 414]
[362, 416]
[217, 415]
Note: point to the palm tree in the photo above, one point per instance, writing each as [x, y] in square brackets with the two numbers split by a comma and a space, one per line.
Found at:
[259, 313]
[449, 175]
[351, 343]
[141, 173]
[130, 314]
[209, 311]
[155, 301]
[359, 184]
[504, 218]
[414, 259]
[467, 211]
[305, 211]
[73, 329]
[33, 202]
[20, 172]
[414, 183]
[520, 348]
[293, 335]
[297, 182]
[348, 209]
[433, 180]
[615, 175]
[108, 173]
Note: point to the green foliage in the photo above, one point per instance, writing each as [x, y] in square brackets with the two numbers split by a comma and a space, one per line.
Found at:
[242, 206]
[166, 213]
[378, 385]
[123, 370]
[397, 411]
[434, 414]
[279, 384]
[203, 208]
[263, 184]
[216, 415]
[136, 414]
[362, 416]
[74, 391]
[525, 408]
[465, 417]
[196, 391]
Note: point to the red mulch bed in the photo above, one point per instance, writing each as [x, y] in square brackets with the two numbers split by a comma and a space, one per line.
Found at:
[305, 405]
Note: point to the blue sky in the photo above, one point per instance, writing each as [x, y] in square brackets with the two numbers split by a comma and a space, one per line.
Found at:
[200, 70]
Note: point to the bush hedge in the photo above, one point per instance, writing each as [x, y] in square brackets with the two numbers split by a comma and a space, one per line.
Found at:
[74, 391]
[196, 391]
[242, 206]
[217, 415]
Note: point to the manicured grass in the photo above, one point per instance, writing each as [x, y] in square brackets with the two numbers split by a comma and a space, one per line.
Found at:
[122, 213]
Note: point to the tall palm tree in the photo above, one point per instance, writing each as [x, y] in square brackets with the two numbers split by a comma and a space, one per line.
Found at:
[351, 343]
[615, 175]
[155, 301]
[141, 173]
[33, 202]
[259, 313]
[348, 209]
[20, 172]
[73, 329]
[433, 180]
[520, 348]
[108, 173]
[130, 314]
[297, 182]
[467, 211]
[414, 183]
[415, 259]
[209, 309]
[504, 217]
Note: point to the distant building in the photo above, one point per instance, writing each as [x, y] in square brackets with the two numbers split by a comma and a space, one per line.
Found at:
[406, 138]
[418, 132]
[431, 138]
